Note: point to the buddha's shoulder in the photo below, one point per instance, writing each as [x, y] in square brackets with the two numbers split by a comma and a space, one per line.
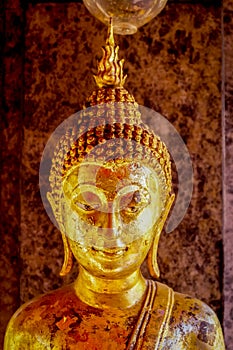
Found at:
[192, 308]
[193, 321]
[42, 316]
[51, 302]
[185, 305]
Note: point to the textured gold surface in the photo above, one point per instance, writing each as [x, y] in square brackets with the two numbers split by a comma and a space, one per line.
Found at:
[175, 68]
[180, 52]
[120, 119]
[109, 281]
[67, 320]
[110, 71]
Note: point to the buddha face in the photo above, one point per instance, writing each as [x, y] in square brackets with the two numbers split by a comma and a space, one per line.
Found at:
[109, 214]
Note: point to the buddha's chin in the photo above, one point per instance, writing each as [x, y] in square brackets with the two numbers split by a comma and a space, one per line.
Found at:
[111, 264]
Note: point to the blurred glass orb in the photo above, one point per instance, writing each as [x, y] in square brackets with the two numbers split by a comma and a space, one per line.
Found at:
[128, 15]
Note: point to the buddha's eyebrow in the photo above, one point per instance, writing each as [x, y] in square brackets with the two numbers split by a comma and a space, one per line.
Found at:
[84, 183]
[132, 188]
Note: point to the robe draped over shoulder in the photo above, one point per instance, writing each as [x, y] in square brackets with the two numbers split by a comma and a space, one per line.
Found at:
[175, 321]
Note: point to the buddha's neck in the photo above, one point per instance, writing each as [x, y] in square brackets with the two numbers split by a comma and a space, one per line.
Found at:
[106, 293]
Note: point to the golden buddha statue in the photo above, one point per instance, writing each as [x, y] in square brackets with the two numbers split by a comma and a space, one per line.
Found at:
[111, 193]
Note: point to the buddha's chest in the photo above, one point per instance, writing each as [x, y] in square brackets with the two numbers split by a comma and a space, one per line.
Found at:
[74, 327]
[91, 332]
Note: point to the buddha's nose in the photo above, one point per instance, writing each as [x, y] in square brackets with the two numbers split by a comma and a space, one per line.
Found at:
[111, 226]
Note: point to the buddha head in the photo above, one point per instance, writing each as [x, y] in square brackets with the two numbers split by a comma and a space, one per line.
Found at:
[110, 180]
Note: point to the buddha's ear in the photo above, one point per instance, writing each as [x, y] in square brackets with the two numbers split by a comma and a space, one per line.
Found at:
[68, 256]
[152, 255]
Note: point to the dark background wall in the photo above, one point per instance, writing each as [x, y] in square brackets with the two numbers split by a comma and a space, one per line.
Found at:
[178, 64]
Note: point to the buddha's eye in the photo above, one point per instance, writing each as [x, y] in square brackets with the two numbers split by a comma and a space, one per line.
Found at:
[84, 206]
[134, 202]
[133, 209]
[86, 202]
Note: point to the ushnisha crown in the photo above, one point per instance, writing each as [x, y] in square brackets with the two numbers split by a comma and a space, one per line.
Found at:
[119, 133]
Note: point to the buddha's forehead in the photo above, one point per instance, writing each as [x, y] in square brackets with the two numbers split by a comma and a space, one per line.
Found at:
[111, 174]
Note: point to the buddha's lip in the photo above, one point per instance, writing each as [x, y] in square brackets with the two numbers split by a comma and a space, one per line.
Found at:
[111, 253]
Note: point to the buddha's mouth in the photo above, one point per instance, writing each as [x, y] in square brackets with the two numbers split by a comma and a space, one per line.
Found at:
[111, 253]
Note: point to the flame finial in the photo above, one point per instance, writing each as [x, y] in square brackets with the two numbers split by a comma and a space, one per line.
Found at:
[110, 69]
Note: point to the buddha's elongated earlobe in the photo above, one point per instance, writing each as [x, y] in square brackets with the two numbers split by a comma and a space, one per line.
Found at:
[152, 258]
[68, 257]
[152, 255]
